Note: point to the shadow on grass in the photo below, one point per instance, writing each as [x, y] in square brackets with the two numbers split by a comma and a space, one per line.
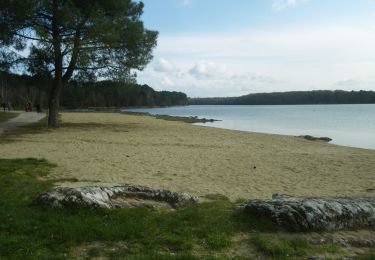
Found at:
[5, 116]
[13, 134]
[41, 127]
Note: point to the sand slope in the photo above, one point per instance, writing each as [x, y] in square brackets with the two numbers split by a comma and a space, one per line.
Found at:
[115, 148]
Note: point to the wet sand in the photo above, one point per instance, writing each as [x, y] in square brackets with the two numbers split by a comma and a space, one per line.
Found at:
[114, 148]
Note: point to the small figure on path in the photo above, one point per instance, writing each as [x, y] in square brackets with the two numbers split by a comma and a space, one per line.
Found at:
[4, 106]
[9, 106]
[28, 107]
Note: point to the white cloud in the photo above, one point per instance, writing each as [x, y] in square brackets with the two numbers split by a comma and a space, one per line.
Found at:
[356, 83]
[331, 44]
[204, 69]
[166, 81]
[349, 82]
[278, 5]
[164, 65]
[231, 64]
[243, 79]
[206, 78]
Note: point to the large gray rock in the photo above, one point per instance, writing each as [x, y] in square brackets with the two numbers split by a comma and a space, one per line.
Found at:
[122, 196]
[315, 214]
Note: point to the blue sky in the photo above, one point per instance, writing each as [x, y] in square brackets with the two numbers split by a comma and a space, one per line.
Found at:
[230, 48]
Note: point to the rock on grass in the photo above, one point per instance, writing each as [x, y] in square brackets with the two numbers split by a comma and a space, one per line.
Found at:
[316, 214]
[122, 196]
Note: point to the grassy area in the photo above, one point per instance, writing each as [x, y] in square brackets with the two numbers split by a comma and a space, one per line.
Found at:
[27, 230]
[200, 231]
[5, 116]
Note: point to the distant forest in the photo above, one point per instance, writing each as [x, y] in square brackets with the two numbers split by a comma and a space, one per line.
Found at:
[18, 90]
[292, 98]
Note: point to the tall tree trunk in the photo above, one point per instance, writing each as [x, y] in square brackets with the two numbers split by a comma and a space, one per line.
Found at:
[54, 96]
[53, 103]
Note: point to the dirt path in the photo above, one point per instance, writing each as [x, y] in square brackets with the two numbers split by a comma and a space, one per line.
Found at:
[22, 119]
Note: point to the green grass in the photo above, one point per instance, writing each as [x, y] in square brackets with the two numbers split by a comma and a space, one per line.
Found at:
[202, 230]
[368, 256]
[28, 230]
[280, 248]
[5, 116]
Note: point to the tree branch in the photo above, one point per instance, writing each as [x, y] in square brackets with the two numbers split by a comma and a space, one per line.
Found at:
[75, 51]
[30, 38]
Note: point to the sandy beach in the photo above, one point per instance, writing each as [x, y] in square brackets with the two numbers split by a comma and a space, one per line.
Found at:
[115, 148]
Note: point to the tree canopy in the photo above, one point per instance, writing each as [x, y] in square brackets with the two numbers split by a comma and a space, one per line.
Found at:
[80, 39]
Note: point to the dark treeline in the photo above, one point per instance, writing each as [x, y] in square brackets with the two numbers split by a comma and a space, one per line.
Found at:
[292, 98]
[18, 90]
[118, 94]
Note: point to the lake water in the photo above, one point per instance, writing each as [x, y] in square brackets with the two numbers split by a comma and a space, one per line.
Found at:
[349, 125]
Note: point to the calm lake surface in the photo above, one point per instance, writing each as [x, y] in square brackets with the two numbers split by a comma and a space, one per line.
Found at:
[349, 125]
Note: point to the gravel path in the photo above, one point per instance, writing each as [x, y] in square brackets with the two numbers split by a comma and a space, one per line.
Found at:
[24, 118]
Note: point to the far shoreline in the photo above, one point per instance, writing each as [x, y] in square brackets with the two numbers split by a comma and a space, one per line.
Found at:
[210, 122]
[338, 122]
